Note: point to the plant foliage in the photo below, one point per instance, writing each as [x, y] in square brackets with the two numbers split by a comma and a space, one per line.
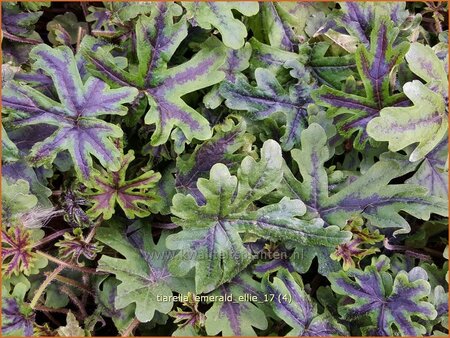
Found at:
[224, 168]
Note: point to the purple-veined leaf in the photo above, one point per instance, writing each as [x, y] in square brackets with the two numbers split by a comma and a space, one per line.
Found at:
[212, 230]
[439, 298]
[157, 38]
[79, 130]
[358, 18]
[353, 112]
[72, 203]
[270, 26]
[359, 247]
[270, 97]
[189, 322]
[272, 257]
[295, 307]
[432, 173]
[426, 122]
[330, 70]
[104, 298]
[17, 254]
[17, 316]
[72, 247]
[136, 196]
[18, 32]
[274, 59]
[392, 303]
[13, 321]
[347, 252]
[64, 29]
[229, 140]
[238, 316]
[15, 167]
[143, 272]
[111, 20]
[370, 195]
[363, 196]
[18, 25]
[220, 209]
[237, 60]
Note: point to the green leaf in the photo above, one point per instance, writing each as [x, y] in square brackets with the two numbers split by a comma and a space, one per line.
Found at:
[328, 69]
[433, 170]
[426, 121]
[113, 19]
[370, 195]
[35, 6]
[270, 27]
[16, 200]
[237, 60]
[189, 322]
[107, 290]
[238, 316]
[229, 145]
[274, 59]
[64, 29]
[157, 38]
[270, 97]
[293, 305]
[392, 304]
[76, 116]
[353, 110]
[72, 328]
[143, 270]
[10, 152]
[220, 16]
[17, 251]
[136, 196]
[18, 318]
[211, 229]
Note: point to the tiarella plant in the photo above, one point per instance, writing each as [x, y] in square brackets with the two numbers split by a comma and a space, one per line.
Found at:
[224, 169]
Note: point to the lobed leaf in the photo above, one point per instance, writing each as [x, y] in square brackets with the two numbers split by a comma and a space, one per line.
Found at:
[393, 304]
[157, 38]
[211, 230]
[78, 129]
[143, 270]
[220, 16]
[136, 197]
[353, 111]
[225, 146]
[269, 97]
[237, 317]
[370, 195]
[295, 307]
[426, 121]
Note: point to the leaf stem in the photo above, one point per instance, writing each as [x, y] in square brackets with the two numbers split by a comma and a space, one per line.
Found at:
[69, 265]
[49, 309]
[73, 283]
[76, 301]
[44, 285]
[129, 330]
[406, 250]
[165, 225]
[49, 238]
[16, 38]
[91, 234]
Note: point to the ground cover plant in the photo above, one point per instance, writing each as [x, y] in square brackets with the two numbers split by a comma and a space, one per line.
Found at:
[224, 168]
